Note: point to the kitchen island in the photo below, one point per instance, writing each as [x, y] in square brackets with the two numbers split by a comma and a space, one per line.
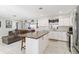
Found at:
[36, 42]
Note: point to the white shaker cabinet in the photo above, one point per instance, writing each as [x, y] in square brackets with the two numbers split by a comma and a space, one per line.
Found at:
[65, 21]
[36, 46]
[57, 35]
[43, 43]
[52, 35]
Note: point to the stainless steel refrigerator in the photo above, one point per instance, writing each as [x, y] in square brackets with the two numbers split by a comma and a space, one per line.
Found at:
[76, 31]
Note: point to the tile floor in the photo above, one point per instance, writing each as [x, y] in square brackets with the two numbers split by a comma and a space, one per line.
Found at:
[13, 48]
[57, 47]
[54, 47]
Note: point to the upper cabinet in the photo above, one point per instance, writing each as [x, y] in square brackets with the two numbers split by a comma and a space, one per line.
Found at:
[62, 20]
[54, 21]
[65, 21]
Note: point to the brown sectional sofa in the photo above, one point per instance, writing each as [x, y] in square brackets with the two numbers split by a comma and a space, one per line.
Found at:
[13, 36]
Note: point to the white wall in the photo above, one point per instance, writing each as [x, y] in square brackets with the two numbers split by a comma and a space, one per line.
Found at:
[43, 24]
[3, 29]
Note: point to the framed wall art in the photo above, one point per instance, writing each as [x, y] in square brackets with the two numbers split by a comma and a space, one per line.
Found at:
[8, 24]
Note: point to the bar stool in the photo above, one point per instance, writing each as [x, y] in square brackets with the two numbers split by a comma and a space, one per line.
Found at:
[22, 43]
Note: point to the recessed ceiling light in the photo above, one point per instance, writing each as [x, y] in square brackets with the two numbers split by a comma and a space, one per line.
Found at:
[40, 8]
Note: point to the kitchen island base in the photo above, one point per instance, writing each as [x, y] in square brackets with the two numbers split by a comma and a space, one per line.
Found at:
[36, 46]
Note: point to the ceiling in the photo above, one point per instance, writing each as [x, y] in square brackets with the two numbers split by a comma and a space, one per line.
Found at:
[33, 11]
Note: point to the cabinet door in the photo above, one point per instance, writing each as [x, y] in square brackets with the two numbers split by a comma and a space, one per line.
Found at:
[53, 35]
[41, 45]
[32, 46]
[64, 21]
[62, 36]
[50, 35]
[43, 42]
[58, 35]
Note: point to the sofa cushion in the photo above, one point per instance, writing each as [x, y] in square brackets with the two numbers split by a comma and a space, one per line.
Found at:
[11, 33]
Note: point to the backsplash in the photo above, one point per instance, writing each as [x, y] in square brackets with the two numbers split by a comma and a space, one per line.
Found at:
[64, 28]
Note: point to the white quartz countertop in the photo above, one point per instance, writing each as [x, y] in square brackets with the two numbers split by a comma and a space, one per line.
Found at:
[59, 30]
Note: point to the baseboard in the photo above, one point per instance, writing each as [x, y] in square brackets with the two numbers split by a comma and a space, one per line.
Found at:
[57, 40]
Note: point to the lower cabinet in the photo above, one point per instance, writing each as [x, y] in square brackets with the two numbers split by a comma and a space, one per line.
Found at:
[36, 46]
[58, 35]
[43, 43]
[32, 46]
